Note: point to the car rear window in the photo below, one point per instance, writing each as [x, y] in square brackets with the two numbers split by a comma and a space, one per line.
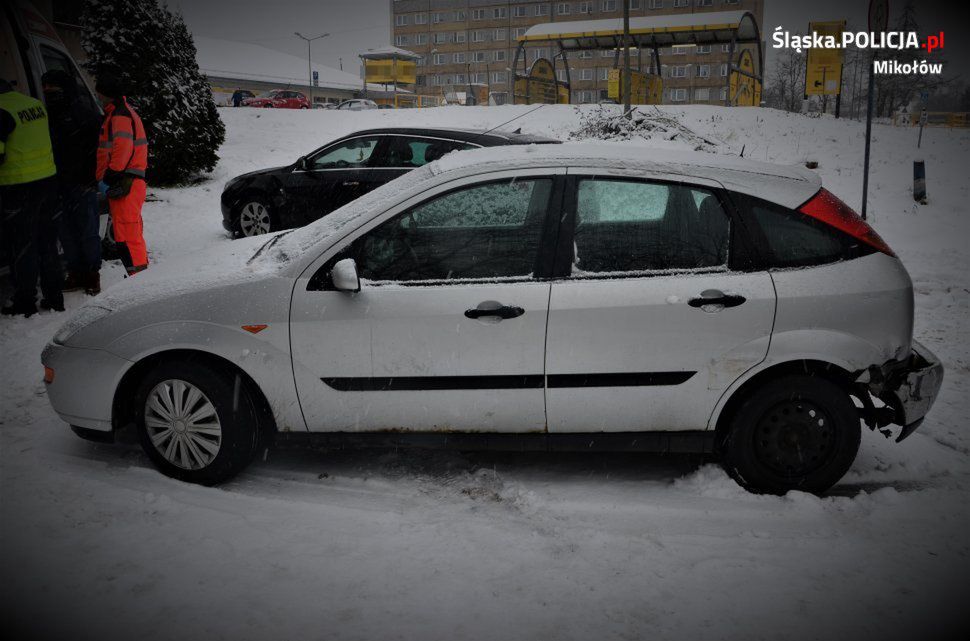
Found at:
[788, 238]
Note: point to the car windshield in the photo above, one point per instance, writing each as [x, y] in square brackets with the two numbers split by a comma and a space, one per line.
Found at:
[270, 94]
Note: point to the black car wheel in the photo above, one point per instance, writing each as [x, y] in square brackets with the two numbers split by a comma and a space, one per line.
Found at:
[254, 218]
[794, 433]
[196, 423]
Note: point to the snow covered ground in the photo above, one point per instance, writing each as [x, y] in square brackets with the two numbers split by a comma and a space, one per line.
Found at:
[434, 545]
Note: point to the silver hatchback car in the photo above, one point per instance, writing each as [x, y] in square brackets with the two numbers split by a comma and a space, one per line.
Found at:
[556, 297]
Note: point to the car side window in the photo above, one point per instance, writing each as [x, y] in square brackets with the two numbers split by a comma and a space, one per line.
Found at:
[627, 227]
[54, 59]
[349, 154]
[410, 152]
[484, 231]
[793, 239]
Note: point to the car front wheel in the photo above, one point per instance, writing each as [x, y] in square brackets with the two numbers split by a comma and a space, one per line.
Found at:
[195, 422]
[254, 219]
[794, 433]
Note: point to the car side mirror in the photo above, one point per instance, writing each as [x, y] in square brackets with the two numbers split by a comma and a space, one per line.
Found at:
[344, 276]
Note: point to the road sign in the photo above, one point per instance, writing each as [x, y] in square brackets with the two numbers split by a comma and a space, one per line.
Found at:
[823, 68]
[878, 15]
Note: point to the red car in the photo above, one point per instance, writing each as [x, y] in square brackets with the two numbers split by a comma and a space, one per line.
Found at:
[280, 99]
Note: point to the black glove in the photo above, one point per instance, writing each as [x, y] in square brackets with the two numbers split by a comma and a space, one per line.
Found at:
[118, 185]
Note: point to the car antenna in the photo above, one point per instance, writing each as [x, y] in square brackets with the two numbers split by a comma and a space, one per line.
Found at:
[488, 131]
[742, 150]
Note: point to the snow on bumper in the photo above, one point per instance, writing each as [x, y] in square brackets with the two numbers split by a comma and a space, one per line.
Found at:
[83, 385]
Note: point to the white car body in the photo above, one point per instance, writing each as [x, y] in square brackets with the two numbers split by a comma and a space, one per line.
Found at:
[356, 104]
[635, 354]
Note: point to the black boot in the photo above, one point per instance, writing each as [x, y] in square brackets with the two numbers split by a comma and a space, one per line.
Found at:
[15, 309]
[92, 283]
[73, 282]
[52, 306]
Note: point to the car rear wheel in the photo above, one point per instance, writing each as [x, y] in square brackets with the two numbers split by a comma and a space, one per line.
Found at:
[254, 219]
[794, 433]
[196, 423]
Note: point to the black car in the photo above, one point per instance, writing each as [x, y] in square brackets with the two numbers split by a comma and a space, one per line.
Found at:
[341, 171]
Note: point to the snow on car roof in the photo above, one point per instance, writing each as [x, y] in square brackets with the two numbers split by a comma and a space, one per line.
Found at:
[783, 184]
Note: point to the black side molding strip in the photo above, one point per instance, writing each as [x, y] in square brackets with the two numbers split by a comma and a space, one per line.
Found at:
[515, 381]
[416, 383]
[625, 379]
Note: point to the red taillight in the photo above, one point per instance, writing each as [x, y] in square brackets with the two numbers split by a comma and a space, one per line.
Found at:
[48, 375]
[826, 207]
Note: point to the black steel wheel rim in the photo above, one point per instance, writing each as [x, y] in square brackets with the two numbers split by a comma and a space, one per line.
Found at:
[794, 438]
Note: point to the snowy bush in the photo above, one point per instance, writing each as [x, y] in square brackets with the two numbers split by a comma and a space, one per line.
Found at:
[154, 53]
[608, 123]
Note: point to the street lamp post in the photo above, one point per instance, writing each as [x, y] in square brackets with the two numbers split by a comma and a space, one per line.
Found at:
[309, 64]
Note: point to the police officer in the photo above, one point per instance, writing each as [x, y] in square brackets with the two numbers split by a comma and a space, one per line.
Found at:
[27, 187]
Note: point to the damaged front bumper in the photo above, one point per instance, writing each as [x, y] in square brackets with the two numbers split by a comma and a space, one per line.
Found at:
[907, 388]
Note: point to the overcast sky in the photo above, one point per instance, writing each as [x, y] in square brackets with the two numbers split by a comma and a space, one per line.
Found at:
[356, 25]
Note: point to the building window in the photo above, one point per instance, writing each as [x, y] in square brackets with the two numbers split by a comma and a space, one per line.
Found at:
[478, 56]
[604, 73]
[500, 13]
[681, 3]
[702, 94]
[562, 8]
[500, 55]
[702, 49]
[460, 36]
[521, 11]
[678, 71]
[420, 18]
[585, 74]
[723, 69]
[437, 18]
[678, 95]
[561, 75]
[480, 78]
[401, 21]
[439, 59]
[478, 14]
[498, 77]
[607, 53]
[460, 16]
[586, 7]
[634, 4]
[400, 41]
[678, 51]
[421, 39]
[478, 36]
[723, 94]
[542, 10]
[703, 71]
[499, 34]
[440, 38]
[731, 1]
[585, 55]
[608, 5]
[459, 57]
[705, 3]
[518, 32]
[459, 79]
[656, 4]
[587, 96]
[726, 48]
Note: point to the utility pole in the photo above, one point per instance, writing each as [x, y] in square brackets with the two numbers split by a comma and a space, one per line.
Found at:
[309, 64]
[626, 57]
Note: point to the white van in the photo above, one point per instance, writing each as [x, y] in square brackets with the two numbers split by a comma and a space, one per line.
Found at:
[29, 46]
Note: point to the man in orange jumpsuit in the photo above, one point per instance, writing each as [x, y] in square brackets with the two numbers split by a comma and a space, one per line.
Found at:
[122, 161]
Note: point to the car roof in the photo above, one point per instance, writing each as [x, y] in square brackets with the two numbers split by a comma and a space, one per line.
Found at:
[787, 185]
[486, 138]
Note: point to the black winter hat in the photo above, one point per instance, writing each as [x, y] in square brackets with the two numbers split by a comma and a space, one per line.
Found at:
[110, 84]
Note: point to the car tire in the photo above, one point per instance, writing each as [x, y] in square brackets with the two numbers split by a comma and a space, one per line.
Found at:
[797, 432]
[195, 422]
[253, 218]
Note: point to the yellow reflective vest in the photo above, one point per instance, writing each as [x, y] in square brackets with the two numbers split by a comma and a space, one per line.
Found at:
[26, 147]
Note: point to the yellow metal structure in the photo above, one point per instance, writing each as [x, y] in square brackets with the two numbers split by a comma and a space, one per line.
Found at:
[645, 89]
[540, 86]
[401, 72]
[823, 68]
[745, 90]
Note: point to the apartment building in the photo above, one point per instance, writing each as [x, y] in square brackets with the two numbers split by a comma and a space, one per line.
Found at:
[464, 42]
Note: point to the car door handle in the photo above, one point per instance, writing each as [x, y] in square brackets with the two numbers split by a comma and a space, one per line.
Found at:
[502, 311]
[351, 183]
[716, 297]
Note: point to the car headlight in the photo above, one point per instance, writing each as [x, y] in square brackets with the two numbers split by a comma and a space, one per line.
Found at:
[84, 317]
